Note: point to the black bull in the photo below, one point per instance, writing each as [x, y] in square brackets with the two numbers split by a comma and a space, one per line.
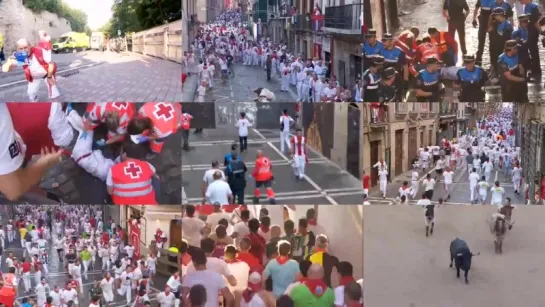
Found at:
[461, 256]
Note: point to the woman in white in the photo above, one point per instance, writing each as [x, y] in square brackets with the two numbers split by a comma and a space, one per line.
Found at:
[448, 174]
[107, 288]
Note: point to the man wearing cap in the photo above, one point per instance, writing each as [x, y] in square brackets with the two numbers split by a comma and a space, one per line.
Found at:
[485, 7]
[471, 79]
[534, 15]
[371, 80]
[429, 83]
[387, 89]
[521, 36]
[447, 46]
[371, 48]
[512, 75]
[395, 58]
[500, 31]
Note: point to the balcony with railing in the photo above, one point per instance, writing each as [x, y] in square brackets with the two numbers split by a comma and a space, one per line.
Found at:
[376, 115]
[344, 19]
[448, 108]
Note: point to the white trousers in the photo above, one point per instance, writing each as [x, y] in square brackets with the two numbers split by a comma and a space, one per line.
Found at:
[383, 184]
[284, 140]
[34, 87]
[299, 165]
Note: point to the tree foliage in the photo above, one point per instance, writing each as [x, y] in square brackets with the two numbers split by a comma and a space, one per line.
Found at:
[137, 15]
[77, 18]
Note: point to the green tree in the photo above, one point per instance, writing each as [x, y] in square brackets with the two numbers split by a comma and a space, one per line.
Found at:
[137, 15]
[77, 18]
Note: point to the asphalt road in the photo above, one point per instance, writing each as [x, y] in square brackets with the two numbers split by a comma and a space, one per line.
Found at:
[430, 15]
[239, 87]
[325, 183]
[404, 268]
[103, 76]
[459, 190]
[329, 217]
[58, 275]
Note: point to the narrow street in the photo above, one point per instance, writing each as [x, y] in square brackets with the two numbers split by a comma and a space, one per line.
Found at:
[429, 15]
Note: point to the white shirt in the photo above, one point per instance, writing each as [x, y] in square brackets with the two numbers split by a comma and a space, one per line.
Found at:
[497, 194]
[166, 300]
[286, 120]
[56, 297]
[488, 166]
[242, 229]
[439, 164]
[428, 184]
[174, 283]
[129, 250]
[107, 285]
[218, 192]
[241, 272]
[329, 92]
[212, 281]
[483, 188]
[68, 295]
[423, 202]
[473, 179]
[405, 192]
[208, 177]
[448, 176]
[243, 124]
[415, 176]
[383, 175]
[12, 154]
[517, 171]
[213, 219]
[223, 64]
[191, 230]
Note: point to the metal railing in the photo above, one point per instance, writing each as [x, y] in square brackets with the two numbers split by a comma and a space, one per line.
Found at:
[375, 114]
[345, 17]
[303, 23]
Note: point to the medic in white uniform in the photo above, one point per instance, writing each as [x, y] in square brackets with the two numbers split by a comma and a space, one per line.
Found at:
[115, 115]
[15, 180]
[299, 153]
[93, 161]
[155, 122]
[37, 66]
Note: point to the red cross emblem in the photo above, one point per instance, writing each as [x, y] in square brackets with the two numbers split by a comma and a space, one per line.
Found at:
[164, 111]
[120, 105]
[132, 170]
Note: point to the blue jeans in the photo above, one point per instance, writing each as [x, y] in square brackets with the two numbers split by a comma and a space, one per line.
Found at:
[2, 56]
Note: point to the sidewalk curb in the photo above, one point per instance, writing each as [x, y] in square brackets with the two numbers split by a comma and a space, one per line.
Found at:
[189, 88]
[64, 73]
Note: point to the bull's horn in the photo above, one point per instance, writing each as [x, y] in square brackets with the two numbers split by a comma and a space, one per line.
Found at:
[459, 254]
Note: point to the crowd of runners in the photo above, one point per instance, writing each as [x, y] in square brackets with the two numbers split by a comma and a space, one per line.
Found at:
[251, 262]
[489, 148]
[218, 45]
[53, 253]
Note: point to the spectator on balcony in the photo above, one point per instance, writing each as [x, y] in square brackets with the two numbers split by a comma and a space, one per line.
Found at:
[387, 90]
[358, 91]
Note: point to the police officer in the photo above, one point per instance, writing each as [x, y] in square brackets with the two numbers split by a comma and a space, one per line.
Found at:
[506, 7]
[500, 31]
[512, 75]
[429, 86]
[532, 10]
[394, 57]
[521, 36]
[387, 90]
[471, 80]
[485, 7]
[371, 48]
[371, 80]
[236, 177]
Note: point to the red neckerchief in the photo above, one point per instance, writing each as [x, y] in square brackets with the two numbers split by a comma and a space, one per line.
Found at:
[353, 304]
[316, 286]
[345, 280]
[312, 222]
[186, 259]
[404, 187]
[249, 292]
[317, 250]
[282, 259]
[264, 228]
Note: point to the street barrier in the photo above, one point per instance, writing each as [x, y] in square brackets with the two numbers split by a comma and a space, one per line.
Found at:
[163, 42]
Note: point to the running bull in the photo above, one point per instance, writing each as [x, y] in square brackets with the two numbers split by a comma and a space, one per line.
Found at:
[461, 255]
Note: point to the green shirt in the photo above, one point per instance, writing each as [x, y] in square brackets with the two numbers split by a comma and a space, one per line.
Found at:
[302, 297]
[85, 255]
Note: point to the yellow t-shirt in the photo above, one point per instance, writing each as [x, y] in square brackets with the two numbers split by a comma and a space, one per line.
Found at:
[1, 41]
[22, 232]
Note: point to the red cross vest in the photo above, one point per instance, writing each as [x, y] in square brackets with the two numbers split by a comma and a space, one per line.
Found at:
[299, 143]
[165, 117]
[31, 120]
[131, 182]
[186, 121]
[37, 53]
[97, 111]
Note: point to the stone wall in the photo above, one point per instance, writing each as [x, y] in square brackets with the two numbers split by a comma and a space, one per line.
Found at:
[16, 21]
[163, 42]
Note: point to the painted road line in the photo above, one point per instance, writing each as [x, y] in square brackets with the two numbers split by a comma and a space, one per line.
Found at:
[250, 196]
[229, 142]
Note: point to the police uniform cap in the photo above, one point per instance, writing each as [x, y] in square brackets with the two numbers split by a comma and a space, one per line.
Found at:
[371, 33]
[510, 44]
[387, 36]
[389, 72]
[432, 61]
[378, 59]
[498, 11]
[468, 58]
[523, 17]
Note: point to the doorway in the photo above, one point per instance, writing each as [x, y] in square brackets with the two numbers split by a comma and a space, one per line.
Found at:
[341, 75]
[399, 152]
[374, 146]
[176, 233]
